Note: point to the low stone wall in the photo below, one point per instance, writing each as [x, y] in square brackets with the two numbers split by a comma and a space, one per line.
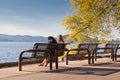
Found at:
[11, 64]
[24, 62]
[27, 61]
[82, 57]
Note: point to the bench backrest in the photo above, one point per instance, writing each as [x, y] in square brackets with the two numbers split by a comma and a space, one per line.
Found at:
[55, 48]
[114, 46]
[39, 46]
[90, 47]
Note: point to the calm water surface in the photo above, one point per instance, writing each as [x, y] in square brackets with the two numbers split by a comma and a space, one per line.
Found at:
[9, 51]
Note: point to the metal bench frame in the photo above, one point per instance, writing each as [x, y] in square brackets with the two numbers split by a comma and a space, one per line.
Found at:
[88, 47]
[35, 50]
[109, 48]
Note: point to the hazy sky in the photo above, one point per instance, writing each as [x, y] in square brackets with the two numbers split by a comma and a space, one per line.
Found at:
[33, 17]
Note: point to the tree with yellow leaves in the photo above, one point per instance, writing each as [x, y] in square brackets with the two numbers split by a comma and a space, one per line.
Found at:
[92, 19]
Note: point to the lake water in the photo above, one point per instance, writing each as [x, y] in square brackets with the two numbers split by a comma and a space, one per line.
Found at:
[9, 51]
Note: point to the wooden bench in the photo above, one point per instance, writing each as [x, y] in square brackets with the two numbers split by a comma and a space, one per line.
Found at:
[41, 47]
[83, 47]
[108, 49]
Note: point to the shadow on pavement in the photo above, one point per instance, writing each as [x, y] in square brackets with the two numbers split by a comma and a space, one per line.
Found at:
[85, 71]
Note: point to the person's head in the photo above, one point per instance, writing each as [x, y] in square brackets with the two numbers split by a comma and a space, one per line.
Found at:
[60, 38]
[51, 39]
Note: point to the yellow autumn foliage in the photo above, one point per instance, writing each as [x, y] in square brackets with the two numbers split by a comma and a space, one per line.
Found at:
[93, 19]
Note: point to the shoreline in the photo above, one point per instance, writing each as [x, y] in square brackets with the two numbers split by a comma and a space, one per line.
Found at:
[13, 64]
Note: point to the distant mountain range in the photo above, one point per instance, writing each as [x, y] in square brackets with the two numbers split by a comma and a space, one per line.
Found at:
[21, 38]
[27, 38]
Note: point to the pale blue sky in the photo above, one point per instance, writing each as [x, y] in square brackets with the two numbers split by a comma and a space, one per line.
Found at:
[33, 17]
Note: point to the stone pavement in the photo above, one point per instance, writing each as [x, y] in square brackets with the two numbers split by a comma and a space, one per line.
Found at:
[103, 69]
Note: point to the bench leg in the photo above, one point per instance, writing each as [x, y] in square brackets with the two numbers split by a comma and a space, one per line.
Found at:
[93, 56]
[50, 62]
[115, 55]
[20, 61]
[56, 61]
[67, 58]
[89, 57]
[20, 66]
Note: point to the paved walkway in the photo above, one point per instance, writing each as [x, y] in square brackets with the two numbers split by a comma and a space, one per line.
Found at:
[103, 69]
